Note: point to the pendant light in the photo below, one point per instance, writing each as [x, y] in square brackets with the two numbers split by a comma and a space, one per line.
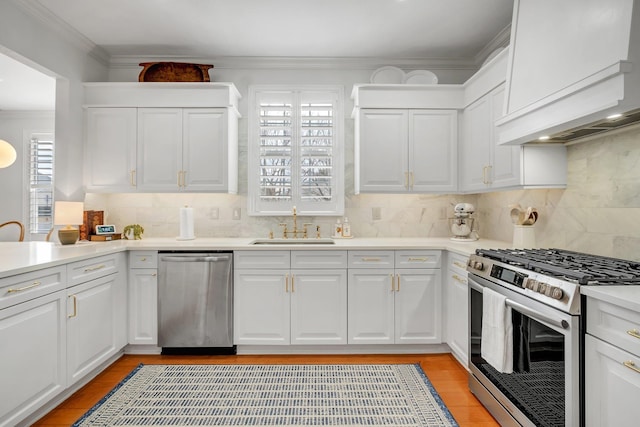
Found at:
[7, 154]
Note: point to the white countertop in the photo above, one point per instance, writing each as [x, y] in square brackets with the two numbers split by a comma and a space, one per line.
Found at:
[622, 296]
[21, 257]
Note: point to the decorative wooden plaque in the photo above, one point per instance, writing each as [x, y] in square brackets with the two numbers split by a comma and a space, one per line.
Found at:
[174, 72]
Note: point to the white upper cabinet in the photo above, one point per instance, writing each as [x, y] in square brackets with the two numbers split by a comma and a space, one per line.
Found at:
[110, 135]
[161, 138]
[571, 64]
[484, 164]
[399, 150]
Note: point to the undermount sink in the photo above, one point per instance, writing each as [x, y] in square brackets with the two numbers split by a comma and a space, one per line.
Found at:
[310, 241]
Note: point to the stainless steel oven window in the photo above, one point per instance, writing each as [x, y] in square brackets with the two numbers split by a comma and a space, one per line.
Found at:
[543, 389]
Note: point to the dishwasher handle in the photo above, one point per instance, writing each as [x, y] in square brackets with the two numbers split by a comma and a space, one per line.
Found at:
[195, 258]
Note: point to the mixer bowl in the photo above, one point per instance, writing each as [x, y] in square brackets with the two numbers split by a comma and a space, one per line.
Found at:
[461, 227]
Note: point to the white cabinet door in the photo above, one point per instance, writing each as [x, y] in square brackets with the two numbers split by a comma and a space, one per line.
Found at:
[159, 149]
[505, 159]
[91, 325]
[612, 385]
[457, 310]
[143, 306]
[205, 150]
[318, 306]
[433, 141]
[371, 306]
[261, 307]
[417, 307]
[401, 150]
[382, 150]
[110, 152]
[32, 355]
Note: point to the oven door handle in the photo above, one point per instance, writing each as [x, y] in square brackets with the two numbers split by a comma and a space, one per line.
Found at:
[525, 310]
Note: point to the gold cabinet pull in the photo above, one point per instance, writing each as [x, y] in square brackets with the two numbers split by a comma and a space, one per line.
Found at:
[143, 259]
[393, 286]
[398, 283]
[154, 274]
[132, 177]
[629, 364]
[286, 283]
[293, 289]
[634, 333]
[370, 259]
[411, 180]
[184, 179]
[406, 180]
[94, 268]
[413, 259]
[24, 288]
[459, 264]
[459, 279]
[75, 306]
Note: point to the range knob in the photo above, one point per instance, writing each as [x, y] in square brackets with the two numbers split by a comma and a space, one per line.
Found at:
[478, 265]
[554, 292]
[532, 284]
[542, 287]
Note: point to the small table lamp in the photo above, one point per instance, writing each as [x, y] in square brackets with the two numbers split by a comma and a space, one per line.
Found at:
[68, 214]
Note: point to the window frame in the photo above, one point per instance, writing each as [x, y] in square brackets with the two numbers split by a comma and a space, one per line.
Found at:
[30, 137]
[333, 207]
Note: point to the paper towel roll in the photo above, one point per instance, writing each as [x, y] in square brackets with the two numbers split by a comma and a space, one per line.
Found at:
[186, 224]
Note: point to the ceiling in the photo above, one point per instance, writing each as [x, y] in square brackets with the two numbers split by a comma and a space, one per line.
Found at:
[208, 29]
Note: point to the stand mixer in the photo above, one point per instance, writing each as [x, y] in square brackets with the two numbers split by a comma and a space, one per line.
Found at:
[461, 225]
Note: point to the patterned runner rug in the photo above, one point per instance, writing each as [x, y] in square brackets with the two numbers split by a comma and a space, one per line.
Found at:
[272, 395]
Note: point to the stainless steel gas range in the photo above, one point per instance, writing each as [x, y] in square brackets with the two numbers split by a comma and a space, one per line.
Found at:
[541, 293]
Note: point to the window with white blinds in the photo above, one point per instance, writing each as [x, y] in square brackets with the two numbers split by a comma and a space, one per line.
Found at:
[296, 151]
[41, 183]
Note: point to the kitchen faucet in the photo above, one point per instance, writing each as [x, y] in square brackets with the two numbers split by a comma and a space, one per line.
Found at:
[295, 232]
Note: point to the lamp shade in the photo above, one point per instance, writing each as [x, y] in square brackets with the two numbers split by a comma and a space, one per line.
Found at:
[7, 154]
[68, 213]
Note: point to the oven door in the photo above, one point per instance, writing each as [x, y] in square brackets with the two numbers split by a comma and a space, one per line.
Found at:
[543, 389]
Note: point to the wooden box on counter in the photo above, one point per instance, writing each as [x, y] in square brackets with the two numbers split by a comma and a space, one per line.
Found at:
[105, 237]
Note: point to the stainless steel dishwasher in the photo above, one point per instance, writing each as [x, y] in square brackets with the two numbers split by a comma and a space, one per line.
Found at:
[195, 302]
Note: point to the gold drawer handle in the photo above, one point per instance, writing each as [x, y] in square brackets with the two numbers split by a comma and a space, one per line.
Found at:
[97, 267]
[393, 286]
[143, 259]
[634, 333]
[629, 364]
[459, 264]
[418, 259]
[132, 177]
[75, 306]
[286, 283]
[24, 288]
[459, 279]
[293, 289]
[371, 259]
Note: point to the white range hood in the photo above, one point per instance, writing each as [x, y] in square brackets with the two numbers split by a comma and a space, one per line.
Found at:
[572, 64]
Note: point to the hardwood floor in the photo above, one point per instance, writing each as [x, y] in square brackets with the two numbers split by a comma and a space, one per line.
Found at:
[445, 373]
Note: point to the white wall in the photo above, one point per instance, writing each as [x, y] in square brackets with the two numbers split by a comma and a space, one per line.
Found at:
[16, 127]
[57, 54]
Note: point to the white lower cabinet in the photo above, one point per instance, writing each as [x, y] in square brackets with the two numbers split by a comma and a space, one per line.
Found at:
[143, 297]
[290, 306]
[457, 310]
[32, 355]
[394, 306]
[612, 365]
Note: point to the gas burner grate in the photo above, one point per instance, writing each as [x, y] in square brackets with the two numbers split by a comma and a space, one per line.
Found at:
[581, 268]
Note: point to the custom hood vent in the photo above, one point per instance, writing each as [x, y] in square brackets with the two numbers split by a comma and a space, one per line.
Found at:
[565, 81]
[596, 128]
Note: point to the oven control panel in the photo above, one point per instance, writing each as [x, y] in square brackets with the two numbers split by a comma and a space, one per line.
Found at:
[507, 275]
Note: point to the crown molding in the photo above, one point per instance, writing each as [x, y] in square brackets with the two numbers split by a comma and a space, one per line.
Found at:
[501, 40]
[288, 63]
[60, 27]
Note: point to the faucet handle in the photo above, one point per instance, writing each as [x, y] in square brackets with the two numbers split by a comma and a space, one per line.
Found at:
[304, 229]
[284, 231]
[317, 231]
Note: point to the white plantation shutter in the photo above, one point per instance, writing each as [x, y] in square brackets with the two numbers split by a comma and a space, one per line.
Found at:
[295, 152]
[40, 183]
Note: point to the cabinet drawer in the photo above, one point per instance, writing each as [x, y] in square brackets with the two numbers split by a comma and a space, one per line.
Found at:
[457, 263]
[614, 324]
[89, 269]
[371, 259]
[262, 259]
[319, 259]
[27, 286]
[418, 259]
[143, 259]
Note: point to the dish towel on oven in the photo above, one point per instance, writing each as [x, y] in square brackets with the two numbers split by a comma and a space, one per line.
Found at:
[497, 331]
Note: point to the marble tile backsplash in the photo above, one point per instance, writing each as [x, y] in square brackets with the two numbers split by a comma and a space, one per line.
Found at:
[596, 213]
